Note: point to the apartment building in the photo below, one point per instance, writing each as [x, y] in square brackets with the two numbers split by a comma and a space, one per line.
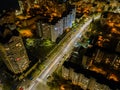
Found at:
[13, 51]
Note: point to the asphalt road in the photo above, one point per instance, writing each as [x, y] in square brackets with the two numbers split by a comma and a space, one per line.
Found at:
[61, 51]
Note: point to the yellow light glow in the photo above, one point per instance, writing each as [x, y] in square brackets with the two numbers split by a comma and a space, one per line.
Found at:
[114, 77]
[98, 70]
[26, 33]
[62, 87]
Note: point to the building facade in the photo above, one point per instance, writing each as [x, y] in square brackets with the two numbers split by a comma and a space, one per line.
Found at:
[14, 54]
[52, 30]
[80, 79]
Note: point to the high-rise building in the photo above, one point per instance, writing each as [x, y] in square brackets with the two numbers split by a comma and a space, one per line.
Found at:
[13, 51]
[21, 8]
[44, 30]
[39, 27]
[52, 30]
[79, 77]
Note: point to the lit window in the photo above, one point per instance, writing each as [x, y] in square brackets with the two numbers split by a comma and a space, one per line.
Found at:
[17, 59]
[55, 28]
[43, 24]
[18, 44]
[7, 48]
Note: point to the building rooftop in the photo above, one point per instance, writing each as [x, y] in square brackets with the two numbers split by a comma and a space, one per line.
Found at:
[112, 20]
[88, 73]
[6, 34]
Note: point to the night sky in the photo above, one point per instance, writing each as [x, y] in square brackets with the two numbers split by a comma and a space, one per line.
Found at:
[7, 4]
